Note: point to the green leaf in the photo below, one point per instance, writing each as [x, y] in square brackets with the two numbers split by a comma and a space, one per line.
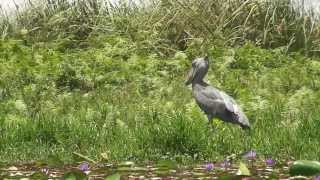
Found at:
[75, 175]
[116, 176]
[162, 172]
[228, 177]
[132, 169]
[127, 164]
[305, 168]
[166, 164]
[243, 170]
[39, 176]
[199, 174]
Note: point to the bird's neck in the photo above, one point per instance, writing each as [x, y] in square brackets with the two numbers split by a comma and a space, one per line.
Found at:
[199, 83]
[198, 78]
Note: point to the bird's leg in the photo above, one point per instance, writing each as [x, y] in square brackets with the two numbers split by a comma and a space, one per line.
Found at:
[210, 117]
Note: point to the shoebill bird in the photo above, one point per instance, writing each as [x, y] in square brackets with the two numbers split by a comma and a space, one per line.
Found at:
[214, 103]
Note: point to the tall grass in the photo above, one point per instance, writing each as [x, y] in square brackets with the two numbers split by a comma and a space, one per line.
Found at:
[164, 26]
[93, 101]
[95, 77]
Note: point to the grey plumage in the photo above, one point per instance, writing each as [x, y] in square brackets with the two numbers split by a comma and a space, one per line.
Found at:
[213, 102]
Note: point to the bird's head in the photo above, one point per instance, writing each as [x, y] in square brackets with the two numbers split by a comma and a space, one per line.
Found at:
[198, 70]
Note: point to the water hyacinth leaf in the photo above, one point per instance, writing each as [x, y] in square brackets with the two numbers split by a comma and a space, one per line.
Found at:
[305, 168]
[116, 176]
[162, 172]
[139, 169]
[127, 164]
[243, 170]
[15, 176]
[125, 169]
[273, 176]
[228, 177]
[132, 169]
[166, 164]
[39, 176]
[75, 175]
[198, 174]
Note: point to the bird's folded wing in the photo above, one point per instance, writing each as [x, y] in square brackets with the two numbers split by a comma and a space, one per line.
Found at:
[219, 98]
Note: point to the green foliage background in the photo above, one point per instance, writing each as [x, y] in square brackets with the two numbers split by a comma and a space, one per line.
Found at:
[95, 78]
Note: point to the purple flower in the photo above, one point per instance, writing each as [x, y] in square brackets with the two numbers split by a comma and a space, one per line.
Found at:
[270, 162]
[84, 166]
[209, 166]
[225, 164]
[251, 155]
[45, 171]
[317, 178]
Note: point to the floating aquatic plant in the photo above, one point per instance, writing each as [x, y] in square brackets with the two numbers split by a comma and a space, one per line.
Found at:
[251, 155]
[84, 166]
[225, 164]
[270, 162]
[45, 171]
[209, 166]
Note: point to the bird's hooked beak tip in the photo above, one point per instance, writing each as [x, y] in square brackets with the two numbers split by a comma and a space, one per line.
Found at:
[188, 81]
[206, 57]
[247, 128]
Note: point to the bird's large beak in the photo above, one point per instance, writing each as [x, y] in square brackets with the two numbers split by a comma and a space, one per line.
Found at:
[206, 58]
[190, 76]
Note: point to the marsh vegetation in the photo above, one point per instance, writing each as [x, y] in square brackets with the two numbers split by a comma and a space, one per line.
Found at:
[106, 80]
